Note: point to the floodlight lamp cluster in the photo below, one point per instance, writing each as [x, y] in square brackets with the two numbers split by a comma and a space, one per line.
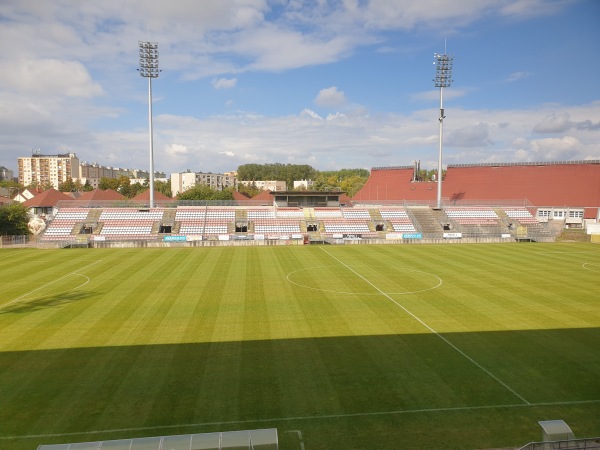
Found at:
[443, 70]
[149, 59]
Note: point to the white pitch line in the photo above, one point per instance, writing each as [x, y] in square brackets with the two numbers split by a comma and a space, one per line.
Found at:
[432, 330]
[299, 418]
[52, 282]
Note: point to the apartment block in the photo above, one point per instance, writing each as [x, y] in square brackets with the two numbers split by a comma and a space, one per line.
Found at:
[271, 185]
[181, 182]
[48, 169]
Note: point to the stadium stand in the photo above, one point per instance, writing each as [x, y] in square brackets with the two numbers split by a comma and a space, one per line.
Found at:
[521, 215]
[479, 201]
[62, 227]
[129, 223]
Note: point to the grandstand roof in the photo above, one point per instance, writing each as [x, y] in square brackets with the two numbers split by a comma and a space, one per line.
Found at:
[239, 196]
[574, 184]
[46, 199]
[146, 196]
[264, 196]
[99, 194]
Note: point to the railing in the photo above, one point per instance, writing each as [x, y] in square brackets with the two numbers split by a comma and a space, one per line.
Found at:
[572, 444]
[16, 241]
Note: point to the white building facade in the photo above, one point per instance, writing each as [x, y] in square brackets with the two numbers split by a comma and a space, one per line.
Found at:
[181, 182]
[41, 169]
[271, 185]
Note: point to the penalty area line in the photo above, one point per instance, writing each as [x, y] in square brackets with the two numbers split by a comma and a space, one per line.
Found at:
[75, 272]
[304, 418]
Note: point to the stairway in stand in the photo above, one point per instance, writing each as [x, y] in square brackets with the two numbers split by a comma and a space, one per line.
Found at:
[429, 224]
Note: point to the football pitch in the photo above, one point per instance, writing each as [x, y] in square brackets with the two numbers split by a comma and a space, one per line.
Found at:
[338, 347]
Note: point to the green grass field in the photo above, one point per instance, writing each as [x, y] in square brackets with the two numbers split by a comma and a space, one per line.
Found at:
[342, 347]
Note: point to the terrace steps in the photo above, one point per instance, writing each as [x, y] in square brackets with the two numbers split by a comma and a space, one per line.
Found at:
[427, 221]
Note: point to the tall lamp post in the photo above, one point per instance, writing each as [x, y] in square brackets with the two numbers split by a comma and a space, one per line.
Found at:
[149, 69]
[443, 78]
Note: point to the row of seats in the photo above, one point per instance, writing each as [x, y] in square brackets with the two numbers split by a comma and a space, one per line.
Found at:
[327, 212]
[76, 215]
[404, 228]
[207, 229]
[261, 213]
[290, 212]
[356, 214]
[393, 213]
[522, 215]
[137, 230]
[345, 228]
[281, 229]
[473, 213]
[131, 215]
[58, 231]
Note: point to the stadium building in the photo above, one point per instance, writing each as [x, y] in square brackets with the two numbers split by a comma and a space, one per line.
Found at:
[481, 203]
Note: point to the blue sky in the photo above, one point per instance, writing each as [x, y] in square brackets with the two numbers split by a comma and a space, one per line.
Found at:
[334, 84]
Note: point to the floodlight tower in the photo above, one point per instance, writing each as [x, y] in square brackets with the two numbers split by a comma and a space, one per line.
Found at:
[149, 69]
[443, 78]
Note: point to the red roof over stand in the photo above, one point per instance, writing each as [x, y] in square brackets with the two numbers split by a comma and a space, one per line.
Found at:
[567, 184]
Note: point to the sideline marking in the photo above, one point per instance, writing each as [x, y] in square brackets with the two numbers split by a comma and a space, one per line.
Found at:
[363, 293]
[54, 281]
[317, 417]
[433, 331]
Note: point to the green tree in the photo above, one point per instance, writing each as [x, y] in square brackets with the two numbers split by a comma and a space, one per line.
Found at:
[133, 189]
[10, 184]
[353, 184]
[249, 190]
[70, 186]
[35, 186]
[164, 187]
[203, 192]
[13, 220]
[108, 183]
[277, 172]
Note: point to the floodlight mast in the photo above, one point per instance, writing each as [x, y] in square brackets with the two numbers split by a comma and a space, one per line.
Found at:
[443, 78]
[149, 69]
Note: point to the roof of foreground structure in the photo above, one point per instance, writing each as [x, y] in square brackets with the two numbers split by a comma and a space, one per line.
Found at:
[573, 184]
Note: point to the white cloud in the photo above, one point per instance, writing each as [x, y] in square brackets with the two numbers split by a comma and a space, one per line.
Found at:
[58, 61]
[310, 113]
[553, 123]
[176, 150]
[48, 78]
[330, 98]
[476, 135]
[515, 76]
[433, 95]
[224, 83]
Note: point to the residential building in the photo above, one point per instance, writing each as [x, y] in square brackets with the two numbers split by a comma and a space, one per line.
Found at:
[303, 184]
[41, 170]
[181, 182]
[6, 174]
[270, 185]
[48, 169]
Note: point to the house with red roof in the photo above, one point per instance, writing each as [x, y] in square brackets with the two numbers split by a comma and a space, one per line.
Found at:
[102, 195]
[145, 197]
[44, 203]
